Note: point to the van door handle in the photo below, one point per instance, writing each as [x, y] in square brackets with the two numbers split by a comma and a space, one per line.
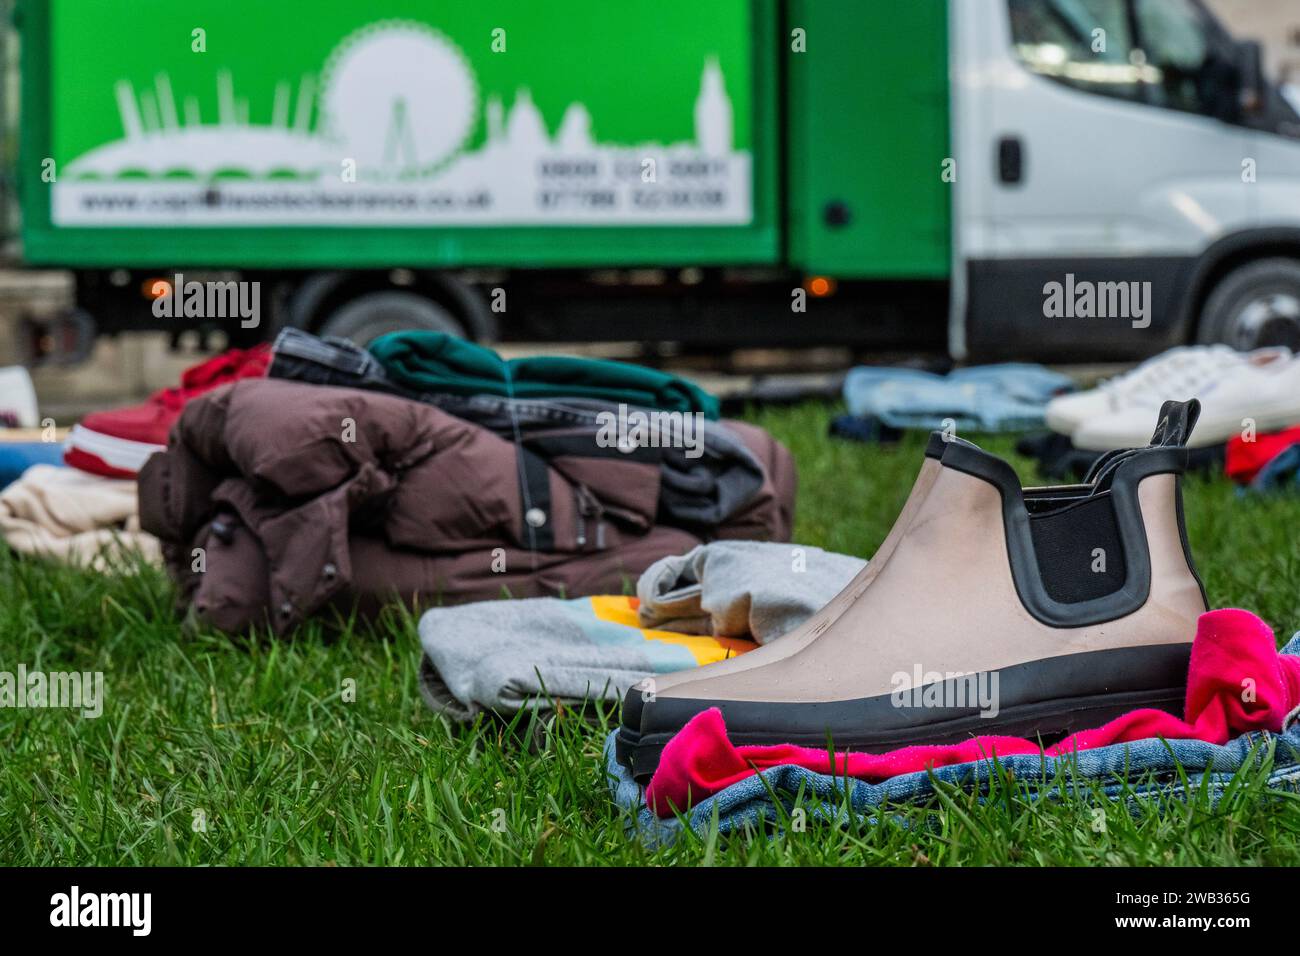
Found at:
[1011, 160]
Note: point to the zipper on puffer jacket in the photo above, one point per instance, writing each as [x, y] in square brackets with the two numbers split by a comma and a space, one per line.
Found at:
[590, 515]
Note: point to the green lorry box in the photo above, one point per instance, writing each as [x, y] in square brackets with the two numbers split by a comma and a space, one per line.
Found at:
[500, 133]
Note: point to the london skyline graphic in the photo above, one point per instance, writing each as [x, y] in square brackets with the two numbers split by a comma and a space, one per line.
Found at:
[394, 106]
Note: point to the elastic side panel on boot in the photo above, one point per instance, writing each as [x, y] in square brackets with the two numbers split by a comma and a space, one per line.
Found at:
[1078, 551]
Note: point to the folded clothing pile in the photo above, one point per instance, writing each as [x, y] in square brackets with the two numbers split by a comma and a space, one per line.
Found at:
[277, 499]
[705, 482]
[86, 513]
[74, 517]
[53, 512]
[714, 602]
[984, 398]
[545, 653]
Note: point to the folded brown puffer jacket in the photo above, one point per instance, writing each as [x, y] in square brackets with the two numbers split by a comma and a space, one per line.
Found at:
[277, 499]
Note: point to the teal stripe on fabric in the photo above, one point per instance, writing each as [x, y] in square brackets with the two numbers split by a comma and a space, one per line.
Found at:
[663, 658]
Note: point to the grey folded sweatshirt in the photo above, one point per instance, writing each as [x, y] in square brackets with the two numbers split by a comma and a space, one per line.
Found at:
[507, 655]
[742, 587]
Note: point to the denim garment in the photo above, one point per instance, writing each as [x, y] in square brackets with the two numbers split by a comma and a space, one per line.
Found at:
[748, 803]
[984, 398]
[1283, 472]
[697, 492]
[303, 357]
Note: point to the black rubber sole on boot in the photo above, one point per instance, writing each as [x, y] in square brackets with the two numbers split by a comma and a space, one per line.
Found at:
[1048, 722]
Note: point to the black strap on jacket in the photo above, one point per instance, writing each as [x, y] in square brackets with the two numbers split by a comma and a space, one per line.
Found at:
[535, 492]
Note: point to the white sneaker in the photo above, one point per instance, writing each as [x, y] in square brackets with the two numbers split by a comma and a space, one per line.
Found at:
[17, 399]
[1263, 389]
[1178, 372]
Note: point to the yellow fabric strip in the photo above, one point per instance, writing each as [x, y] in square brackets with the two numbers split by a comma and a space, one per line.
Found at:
[621, 609]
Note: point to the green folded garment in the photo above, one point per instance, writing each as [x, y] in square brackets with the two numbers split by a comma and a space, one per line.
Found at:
[437, 362]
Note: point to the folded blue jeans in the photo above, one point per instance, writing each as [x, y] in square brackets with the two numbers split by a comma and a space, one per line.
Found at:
[988, 398]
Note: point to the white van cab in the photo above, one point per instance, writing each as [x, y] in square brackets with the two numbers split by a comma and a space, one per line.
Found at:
[1119, 155]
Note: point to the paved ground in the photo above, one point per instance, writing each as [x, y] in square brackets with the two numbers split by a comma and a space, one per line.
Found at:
[127, 368]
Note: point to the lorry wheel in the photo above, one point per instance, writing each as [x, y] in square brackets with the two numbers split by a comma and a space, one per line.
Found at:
[1254, 306]
[369, 316]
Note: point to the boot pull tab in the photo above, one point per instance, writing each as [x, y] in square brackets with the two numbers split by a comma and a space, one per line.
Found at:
[1177, 419]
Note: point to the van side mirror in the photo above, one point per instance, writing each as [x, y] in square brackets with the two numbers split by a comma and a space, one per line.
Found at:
[1252, 88]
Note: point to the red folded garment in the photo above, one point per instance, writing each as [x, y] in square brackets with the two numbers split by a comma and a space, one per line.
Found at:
[1237, 682]
[1244, 459]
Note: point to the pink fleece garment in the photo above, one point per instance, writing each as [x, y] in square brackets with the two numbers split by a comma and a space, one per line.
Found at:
[1236, 683]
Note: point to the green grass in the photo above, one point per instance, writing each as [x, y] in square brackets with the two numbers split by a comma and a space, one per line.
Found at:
[257, 735]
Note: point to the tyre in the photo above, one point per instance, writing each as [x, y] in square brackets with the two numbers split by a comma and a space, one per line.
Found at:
[369, 316]
[1255, 305]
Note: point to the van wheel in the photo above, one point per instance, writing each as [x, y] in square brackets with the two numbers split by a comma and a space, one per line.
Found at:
[1254, 306]
[369, 316]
